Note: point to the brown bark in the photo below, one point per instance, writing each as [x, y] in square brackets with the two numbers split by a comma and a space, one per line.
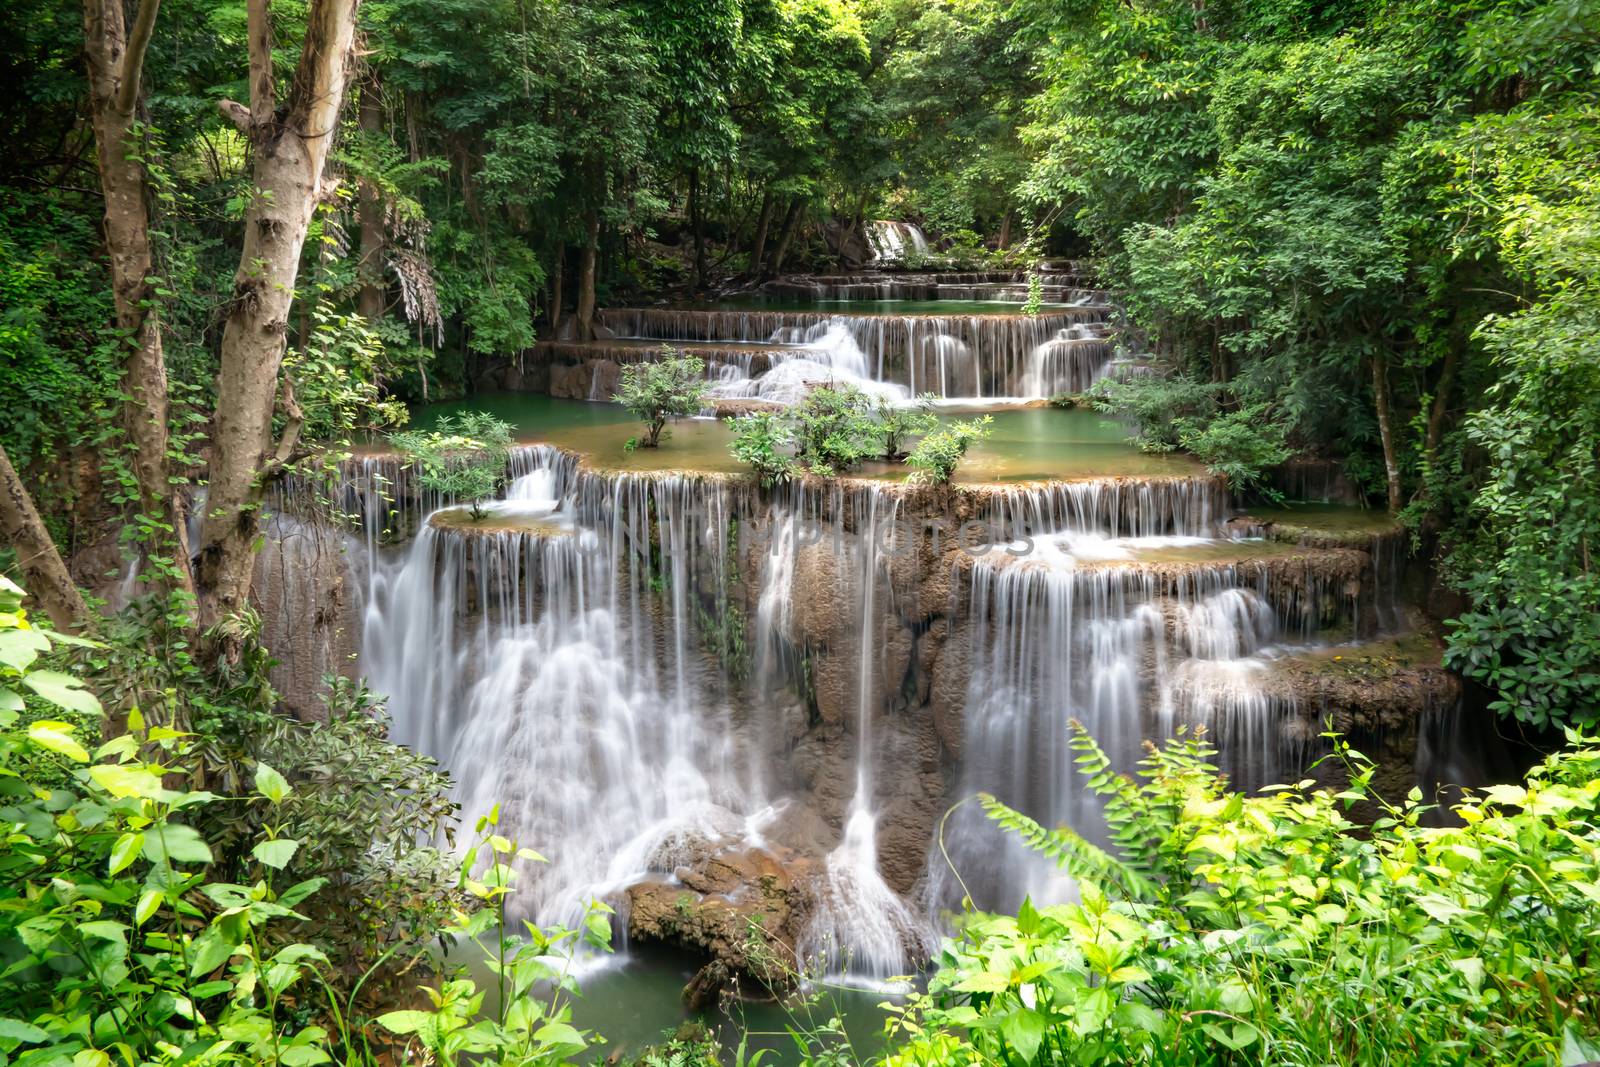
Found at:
[43, 570]
[370, 266]
[586, 276]
[558, 287]
[1441, 402]
[758, 246]
[697, 225]
[1391, 460]
[1005, 230]
[791, 219]
[289, 147]
[114, 56]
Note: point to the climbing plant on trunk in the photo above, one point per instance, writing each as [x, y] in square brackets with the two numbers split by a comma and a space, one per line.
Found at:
[114, 54]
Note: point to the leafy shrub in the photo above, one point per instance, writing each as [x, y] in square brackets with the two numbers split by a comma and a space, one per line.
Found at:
[1227, 929]
[125, 946]
[761, 439]
[1240, 445]
[833, 429]
[896, 423]
[1181, 412]
[672, 386]
[939, 453]
[121, 948]
[464, 460]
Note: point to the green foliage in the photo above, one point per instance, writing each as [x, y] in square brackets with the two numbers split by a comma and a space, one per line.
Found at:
[896, 423]
[833, 430]
[939, 453]
[534, 985]
[124, 947]
[1532, 632]
[1179, 412]
[1261, 930]
[463, 461]
[656, 390]
[762, 439]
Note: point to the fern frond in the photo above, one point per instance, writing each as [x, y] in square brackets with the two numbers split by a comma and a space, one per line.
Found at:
[1081, 859]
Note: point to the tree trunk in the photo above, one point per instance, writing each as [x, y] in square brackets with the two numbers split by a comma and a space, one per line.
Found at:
[1005, 231]
[558, 295]
[115, 61]
[371, 267]
[697, 227]
[791, 218]
[758, 246]
[1441, 402]
[1391, 461]
[290, 145]
[586, 273]
[42, 568]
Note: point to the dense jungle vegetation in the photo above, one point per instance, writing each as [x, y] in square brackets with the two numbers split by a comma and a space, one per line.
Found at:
[237, 236]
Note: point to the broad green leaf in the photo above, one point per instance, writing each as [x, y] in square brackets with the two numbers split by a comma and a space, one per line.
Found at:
[62, 689]
[271, 784]
[404, 1022]
[57, 737]
[558, 1034]
[175, 843]
[19, 648]
[1024, 1029]
[17, 1030]
[149, 904]
[210, 950]
[124, 781]
[276, 854]
[125, 851]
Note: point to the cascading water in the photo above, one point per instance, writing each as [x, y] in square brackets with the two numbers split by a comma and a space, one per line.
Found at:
[966, 356]
[862, 930]
[532, 658]
[890, 240]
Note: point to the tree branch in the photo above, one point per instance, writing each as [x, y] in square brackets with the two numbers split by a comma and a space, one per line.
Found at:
[235, 113]
[133, 59]
[42, 567]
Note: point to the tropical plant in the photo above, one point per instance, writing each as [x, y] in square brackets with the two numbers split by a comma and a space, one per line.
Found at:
[896, 423]
[123, 947]
[463, 461]
[1223, 928]
[939, 453]
[762, 440]
[833, 429]
[672, 386]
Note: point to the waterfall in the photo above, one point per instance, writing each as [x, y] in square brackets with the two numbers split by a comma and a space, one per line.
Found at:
[970, 356]
[890, 240]
[533, 659]
[862, 930]
[1092, 624]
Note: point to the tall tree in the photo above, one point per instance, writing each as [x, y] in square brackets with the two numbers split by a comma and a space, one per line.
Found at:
[24, 531]
[114, 55]
[290, 144]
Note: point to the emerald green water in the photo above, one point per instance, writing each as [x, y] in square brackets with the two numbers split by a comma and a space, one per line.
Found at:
[638, 1002]
[1028, 444]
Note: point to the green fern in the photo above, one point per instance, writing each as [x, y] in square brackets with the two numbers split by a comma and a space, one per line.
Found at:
[1144, 818]
[1078, 857]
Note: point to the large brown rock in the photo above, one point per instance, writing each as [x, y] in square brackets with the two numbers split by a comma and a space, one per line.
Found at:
[743, 909]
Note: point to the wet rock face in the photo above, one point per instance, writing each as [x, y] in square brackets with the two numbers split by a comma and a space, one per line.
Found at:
[307, 596]
[743, 909]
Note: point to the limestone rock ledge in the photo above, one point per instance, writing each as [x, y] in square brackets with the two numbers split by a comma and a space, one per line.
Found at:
[743, 909]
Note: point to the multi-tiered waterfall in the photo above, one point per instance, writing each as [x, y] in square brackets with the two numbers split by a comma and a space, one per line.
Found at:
[738, 715]
[853, 332]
